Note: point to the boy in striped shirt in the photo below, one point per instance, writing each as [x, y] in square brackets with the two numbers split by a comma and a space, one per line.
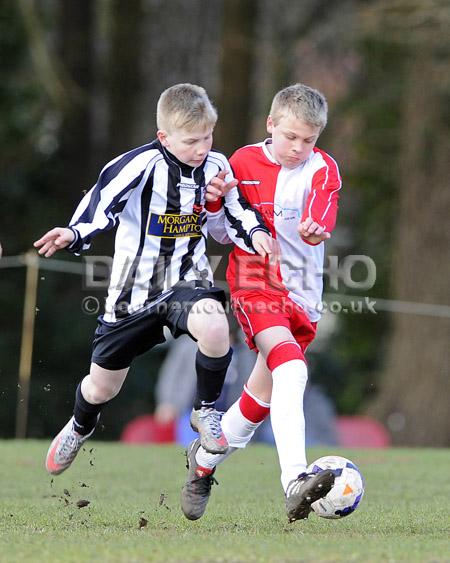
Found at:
[160, 274]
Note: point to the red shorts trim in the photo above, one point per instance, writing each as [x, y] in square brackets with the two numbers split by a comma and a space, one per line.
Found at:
[258, 310]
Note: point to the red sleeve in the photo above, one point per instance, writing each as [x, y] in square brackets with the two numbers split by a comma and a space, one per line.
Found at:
[234, 161]
[322, 202]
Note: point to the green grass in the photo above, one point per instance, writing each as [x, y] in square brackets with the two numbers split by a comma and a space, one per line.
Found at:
[404, 515]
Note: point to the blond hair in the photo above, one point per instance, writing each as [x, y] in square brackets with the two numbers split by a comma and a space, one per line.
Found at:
[303, 103]
[185, 106]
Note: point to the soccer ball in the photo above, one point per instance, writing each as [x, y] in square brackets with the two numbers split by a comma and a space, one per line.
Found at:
[347, 491]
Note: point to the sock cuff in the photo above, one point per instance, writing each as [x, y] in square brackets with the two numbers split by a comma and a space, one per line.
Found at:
[85, 414]
[251, 408]
[201, 471]
[207, 362]
[255, 398]
[83, 404]
[283, 352]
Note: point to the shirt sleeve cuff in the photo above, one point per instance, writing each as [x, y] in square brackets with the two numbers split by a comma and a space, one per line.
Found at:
[214, 206]
[310, 243]
[75, 246]
[253, 231]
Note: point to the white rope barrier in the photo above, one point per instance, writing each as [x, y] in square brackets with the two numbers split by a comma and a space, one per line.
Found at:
[374, 304]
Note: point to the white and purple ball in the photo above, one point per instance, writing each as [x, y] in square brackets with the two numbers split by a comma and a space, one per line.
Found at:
[348, 489]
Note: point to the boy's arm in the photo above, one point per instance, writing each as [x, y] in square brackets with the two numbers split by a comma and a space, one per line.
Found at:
[232, 212]
[242, 220]
[215, 190]
[217, 224]
[101, 206]
[319, 216]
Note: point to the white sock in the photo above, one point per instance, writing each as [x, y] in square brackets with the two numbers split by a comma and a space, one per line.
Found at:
[210, 461]
[238, 431]
[287, 418]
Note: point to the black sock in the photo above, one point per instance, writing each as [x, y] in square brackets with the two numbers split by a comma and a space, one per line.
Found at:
[210, 377]
[85, 414]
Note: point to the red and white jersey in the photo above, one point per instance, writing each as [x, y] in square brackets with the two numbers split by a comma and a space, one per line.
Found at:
[284, 198]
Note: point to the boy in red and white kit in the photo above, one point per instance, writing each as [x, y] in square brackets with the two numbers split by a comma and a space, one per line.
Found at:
[294, 186]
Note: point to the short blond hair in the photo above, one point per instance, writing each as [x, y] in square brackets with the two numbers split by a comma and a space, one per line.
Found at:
[302, 102]
[185, 106]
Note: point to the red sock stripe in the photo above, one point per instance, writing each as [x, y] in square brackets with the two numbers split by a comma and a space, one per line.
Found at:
[284, 352]
[253, 411]
[203, 471]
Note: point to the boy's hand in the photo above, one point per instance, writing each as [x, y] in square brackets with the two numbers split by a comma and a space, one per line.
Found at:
[54, 240]
[265, 245]
[312, 232]
[217, 187]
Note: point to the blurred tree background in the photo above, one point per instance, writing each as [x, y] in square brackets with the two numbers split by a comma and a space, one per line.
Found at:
[80, 81]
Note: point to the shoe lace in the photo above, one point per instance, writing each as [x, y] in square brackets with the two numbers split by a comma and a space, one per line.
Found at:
[205, 483]
[70, 445]
[212, 418]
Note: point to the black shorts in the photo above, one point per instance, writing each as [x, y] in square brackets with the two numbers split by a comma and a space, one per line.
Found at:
[117, 344]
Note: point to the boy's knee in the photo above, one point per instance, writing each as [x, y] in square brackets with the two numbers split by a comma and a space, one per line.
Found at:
[215, 335]
[97, 394]
[217, 329]
[97, 391]
[208, 324]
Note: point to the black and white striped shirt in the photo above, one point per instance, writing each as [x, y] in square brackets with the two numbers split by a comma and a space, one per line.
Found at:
[158, 204]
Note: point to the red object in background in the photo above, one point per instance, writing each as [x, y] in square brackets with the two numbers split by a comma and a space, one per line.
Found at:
[146, 429]
[361, 432]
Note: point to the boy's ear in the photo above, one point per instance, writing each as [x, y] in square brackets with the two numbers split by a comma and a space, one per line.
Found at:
[269, 124]
[162, 137]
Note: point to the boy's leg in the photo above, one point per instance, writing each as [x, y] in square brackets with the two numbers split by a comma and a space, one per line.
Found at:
[238, 424]
[95, 390]
[242, 419]
[285, 360]
[114, 347]
[208, 324]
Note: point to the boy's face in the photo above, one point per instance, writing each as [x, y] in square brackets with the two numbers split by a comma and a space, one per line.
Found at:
[292, 140]
[190, 147]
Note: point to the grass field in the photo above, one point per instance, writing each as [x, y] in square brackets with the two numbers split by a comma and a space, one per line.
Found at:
[404, 515]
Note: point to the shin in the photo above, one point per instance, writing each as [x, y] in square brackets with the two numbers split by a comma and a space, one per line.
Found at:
[289, 376]
[239, 424]
[96, 389]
